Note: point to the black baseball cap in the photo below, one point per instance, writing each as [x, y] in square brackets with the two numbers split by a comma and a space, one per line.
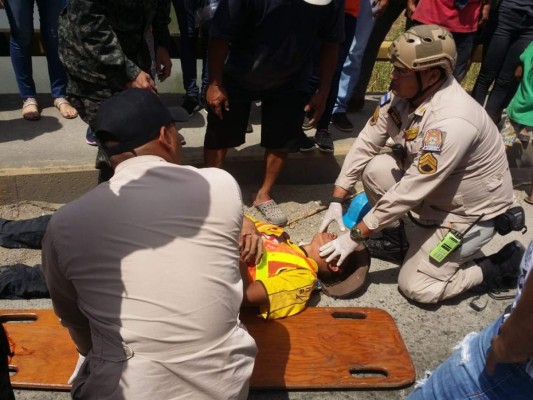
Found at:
[132, 118]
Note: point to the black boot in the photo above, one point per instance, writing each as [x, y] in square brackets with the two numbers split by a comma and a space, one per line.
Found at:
[390, 246]
[501, 269]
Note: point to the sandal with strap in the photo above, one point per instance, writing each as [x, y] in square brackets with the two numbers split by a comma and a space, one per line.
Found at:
[66, 109]
[30, 109]
[272, 212]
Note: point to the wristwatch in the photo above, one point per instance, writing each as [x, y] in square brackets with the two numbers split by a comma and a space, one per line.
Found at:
[356, 236]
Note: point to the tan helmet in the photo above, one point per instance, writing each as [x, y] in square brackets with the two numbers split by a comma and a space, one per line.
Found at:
[424, 46]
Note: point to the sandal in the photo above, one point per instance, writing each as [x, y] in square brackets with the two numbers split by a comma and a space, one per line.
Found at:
[528, 201]
[272, 212]
[30, 109]
[65, 108]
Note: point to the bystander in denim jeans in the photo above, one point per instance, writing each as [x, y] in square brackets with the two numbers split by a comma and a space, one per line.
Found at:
[463, 375]
[20, 16]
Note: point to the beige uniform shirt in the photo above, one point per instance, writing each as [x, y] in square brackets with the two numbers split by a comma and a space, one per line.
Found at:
[143, 271]
[455, 167]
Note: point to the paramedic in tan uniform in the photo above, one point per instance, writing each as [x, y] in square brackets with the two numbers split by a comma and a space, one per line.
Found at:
[448, 165]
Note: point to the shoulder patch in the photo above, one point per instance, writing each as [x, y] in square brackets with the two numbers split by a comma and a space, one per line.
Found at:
[427, 164]
[433, 139]
[374, 119]
[384, 99]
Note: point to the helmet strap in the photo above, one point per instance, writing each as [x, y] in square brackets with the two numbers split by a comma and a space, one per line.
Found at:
[422, 91]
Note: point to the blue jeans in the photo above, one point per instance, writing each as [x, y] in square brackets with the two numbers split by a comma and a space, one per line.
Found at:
[352, 65]
[350, 23]
[186, 16]
[20, 16]
[379, 32]
[512, 34]
[463, 376]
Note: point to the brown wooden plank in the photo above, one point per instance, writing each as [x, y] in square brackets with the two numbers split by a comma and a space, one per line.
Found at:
[321, 347]
[317, 349]
[45, 355]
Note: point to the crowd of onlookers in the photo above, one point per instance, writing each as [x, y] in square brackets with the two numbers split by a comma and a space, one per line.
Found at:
[503, 27]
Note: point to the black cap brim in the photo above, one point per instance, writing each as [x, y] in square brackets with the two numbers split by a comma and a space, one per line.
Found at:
[179, 114]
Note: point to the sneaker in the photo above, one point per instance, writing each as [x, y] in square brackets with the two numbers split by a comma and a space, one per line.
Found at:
[341, 122]
[501, 269]
[324, 141]
[90, 139]
[391, 245]
[191, 105]
[306, 143]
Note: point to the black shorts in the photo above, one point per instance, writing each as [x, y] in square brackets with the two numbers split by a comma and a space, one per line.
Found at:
[282, 115]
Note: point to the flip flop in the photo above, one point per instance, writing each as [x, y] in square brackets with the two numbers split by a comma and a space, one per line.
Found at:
[30, 109]
[272, 212]
[60, 101]
[528, 201]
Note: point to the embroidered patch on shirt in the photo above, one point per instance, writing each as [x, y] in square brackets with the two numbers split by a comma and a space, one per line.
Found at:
[395, 117]
[384, 99]
[411, 134]
[375, 116]
[427, 164]
[433, 139]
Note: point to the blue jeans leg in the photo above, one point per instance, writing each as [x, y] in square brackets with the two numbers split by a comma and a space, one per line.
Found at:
[185, 13]
[350, 23]
[379, 32]
[463, 375]
[352, 65]
[49, 11]
[20, 17]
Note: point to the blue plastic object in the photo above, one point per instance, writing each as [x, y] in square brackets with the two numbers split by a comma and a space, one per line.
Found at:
[357, 210]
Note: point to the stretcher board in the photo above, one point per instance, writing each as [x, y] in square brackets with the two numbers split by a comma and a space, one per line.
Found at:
[321, 348]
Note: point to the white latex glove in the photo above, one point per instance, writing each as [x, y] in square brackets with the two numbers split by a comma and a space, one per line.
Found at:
[341, 247]
[334, 213]
[81, 359]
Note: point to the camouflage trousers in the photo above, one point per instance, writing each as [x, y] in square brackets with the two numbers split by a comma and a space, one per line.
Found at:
[87, 109]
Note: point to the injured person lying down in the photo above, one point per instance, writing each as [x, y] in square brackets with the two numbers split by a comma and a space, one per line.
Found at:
[279, 276]
[282, 281]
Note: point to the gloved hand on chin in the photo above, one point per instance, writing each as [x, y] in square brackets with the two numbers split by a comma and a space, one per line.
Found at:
[341, 247]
